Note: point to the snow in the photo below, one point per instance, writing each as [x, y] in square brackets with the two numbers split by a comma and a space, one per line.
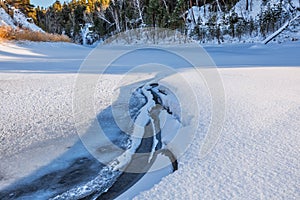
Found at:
[24, 22]
[279, 30]
[149, 180]
[41, 57]
[255, 157]
[19, 19]
[171, 125]
[201, 16]
[256, 6]
[148, 36]
[138, 131]
[255, 55]
[36, 106]
[5, 19]
[254, 9]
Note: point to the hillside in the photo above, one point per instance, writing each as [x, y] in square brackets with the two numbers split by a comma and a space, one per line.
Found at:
[246, 21]
[17, 20]
[15, 25]
[212, 22]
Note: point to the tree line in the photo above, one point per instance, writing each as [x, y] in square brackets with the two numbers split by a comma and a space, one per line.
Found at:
[102, 18]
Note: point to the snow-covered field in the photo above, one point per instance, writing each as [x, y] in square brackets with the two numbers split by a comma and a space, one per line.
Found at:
[256, 157]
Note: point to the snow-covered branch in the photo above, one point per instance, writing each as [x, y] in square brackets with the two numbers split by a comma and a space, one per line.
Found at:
[280, 30]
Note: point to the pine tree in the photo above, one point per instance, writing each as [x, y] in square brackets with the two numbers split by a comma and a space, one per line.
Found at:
[152, 13]
[177, 19]
[40, 17]
[158, 14]
[66, 19]
[233, 19]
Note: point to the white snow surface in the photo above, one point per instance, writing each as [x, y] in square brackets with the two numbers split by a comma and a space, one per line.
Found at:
[257, 156]
[150, 179]
[19, 19]
[24, 21]
[5, 19]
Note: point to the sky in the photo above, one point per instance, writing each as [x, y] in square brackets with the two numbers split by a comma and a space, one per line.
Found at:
[44, 3]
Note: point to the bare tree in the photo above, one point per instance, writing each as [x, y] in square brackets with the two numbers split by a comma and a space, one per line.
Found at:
[138, 6]
[219, 7]
[192, 12]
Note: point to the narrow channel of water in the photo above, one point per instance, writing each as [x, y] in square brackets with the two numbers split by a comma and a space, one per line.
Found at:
[93, 180]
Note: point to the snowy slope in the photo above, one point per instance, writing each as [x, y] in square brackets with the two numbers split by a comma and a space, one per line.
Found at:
[256, 6]
[5, 19]
[22, 21]
[256, 156]
[19, 19]
[200, 21]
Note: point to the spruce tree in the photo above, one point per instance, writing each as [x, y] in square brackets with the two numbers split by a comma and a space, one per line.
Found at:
[177, 19]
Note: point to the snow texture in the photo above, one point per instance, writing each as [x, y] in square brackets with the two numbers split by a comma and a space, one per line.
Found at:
[142, 119]
[279, 30]
[201, 16]
[256, 157]
[24, 21]
[18, 20]
[5, 19]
